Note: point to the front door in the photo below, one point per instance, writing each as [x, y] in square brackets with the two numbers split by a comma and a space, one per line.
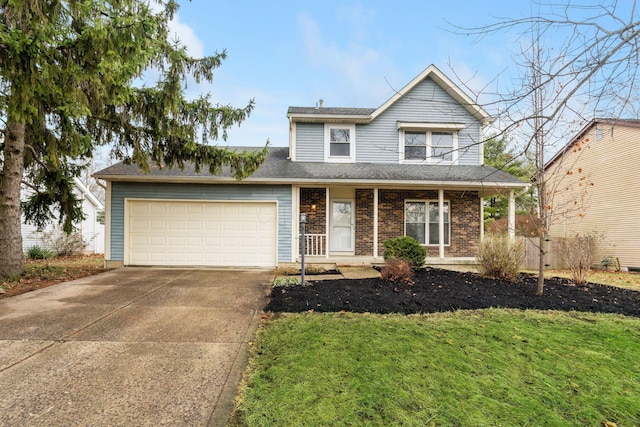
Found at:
[341, 238]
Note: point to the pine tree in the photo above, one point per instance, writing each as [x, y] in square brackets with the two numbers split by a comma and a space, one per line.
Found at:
[498, 154]
[69, 77]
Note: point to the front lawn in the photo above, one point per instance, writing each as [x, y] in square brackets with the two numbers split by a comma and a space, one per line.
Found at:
[491, 367]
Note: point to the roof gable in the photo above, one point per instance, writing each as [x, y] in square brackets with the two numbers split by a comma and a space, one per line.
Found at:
[635, 123]
[88, 194]
[447, 85]
[366, 115]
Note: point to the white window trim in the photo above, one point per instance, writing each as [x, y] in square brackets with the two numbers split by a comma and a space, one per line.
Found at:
[327, 143]
[426, 219]
[429, 160]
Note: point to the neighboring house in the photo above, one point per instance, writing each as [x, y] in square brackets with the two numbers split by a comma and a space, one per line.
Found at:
[413, 166]
[92, 231]
[593, 188]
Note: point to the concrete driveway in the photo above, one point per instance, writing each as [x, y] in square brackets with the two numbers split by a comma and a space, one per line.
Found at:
[134, 346]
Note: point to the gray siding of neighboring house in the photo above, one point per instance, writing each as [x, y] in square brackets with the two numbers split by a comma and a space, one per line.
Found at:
[378, 141]
[122, 190]
[310, 142]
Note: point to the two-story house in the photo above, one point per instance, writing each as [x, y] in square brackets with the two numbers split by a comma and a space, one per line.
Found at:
[591, 186]
[413, 166]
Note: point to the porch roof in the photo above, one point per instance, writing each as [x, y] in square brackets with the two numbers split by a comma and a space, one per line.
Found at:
[278, 168]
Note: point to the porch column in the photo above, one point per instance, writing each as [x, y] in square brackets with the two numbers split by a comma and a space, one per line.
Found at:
[511, 220]
[481, 218]
[326, 221]
[375, 223]
[440, 222]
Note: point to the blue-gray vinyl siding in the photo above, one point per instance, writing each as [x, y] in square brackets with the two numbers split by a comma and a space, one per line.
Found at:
[310, 142]
[223, 192]
[379, 141]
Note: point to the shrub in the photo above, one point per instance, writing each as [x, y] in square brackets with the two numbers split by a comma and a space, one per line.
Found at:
[499, 256]
[406, 248]
[397, 270]
[285, 282]
[37, 252]
[65, 244]
[577, 253]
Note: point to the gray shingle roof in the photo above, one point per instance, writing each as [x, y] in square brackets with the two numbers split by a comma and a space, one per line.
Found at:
[338, 111]
[278, 168]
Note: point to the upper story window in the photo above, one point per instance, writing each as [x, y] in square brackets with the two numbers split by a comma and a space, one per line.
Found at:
[432, 146]
[428, 143]
[339, 143]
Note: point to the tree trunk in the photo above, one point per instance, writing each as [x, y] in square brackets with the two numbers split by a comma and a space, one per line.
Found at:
[11, 256]
[542, 252]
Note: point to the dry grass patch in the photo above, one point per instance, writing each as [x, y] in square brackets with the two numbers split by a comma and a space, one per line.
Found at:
[611, 278]
[46, 272]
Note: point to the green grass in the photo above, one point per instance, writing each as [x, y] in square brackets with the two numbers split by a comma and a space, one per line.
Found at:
[478, 368]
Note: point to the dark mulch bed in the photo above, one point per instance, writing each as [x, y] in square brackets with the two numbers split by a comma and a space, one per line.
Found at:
[437, 290]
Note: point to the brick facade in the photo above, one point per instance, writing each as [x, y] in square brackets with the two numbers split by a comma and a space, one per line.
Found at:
[464, 217]
[364, 221]
[316, 218]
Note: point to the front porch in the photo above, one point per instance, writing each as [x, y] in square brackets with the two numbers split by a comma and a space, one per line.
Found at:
[349, 225]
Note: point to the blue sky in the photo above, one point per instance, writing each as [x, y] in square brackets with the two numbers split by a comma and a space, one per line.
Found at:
[349, 53]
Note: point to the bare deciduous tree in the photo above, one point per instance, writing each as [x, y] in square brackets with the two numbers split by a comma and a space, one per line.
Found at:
[576, 61]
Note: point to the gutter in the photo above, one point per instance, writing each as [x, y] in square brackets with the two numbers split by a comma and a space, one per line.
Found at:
[315, 181]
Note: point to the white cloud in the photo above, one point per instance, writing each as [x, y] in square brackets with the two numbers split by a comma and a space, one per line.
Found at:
[357, 67]
[180, 31]
[186, 36]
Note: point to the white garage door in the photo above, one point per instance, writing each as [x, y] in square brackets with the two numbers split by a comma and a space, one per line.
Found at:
[186, 233]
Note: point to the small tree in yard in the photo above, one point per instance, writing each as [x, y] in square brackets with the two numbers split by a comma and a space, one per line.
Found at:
[577, 252]
[579, 60]
[500, 256]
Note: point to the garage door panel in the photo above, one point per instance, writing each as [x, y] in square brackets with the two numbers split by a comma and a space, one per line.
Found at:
[195, 225]
[202, 233]
[156, 224]
[157, 240]
[156, 209]
[194, 243]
